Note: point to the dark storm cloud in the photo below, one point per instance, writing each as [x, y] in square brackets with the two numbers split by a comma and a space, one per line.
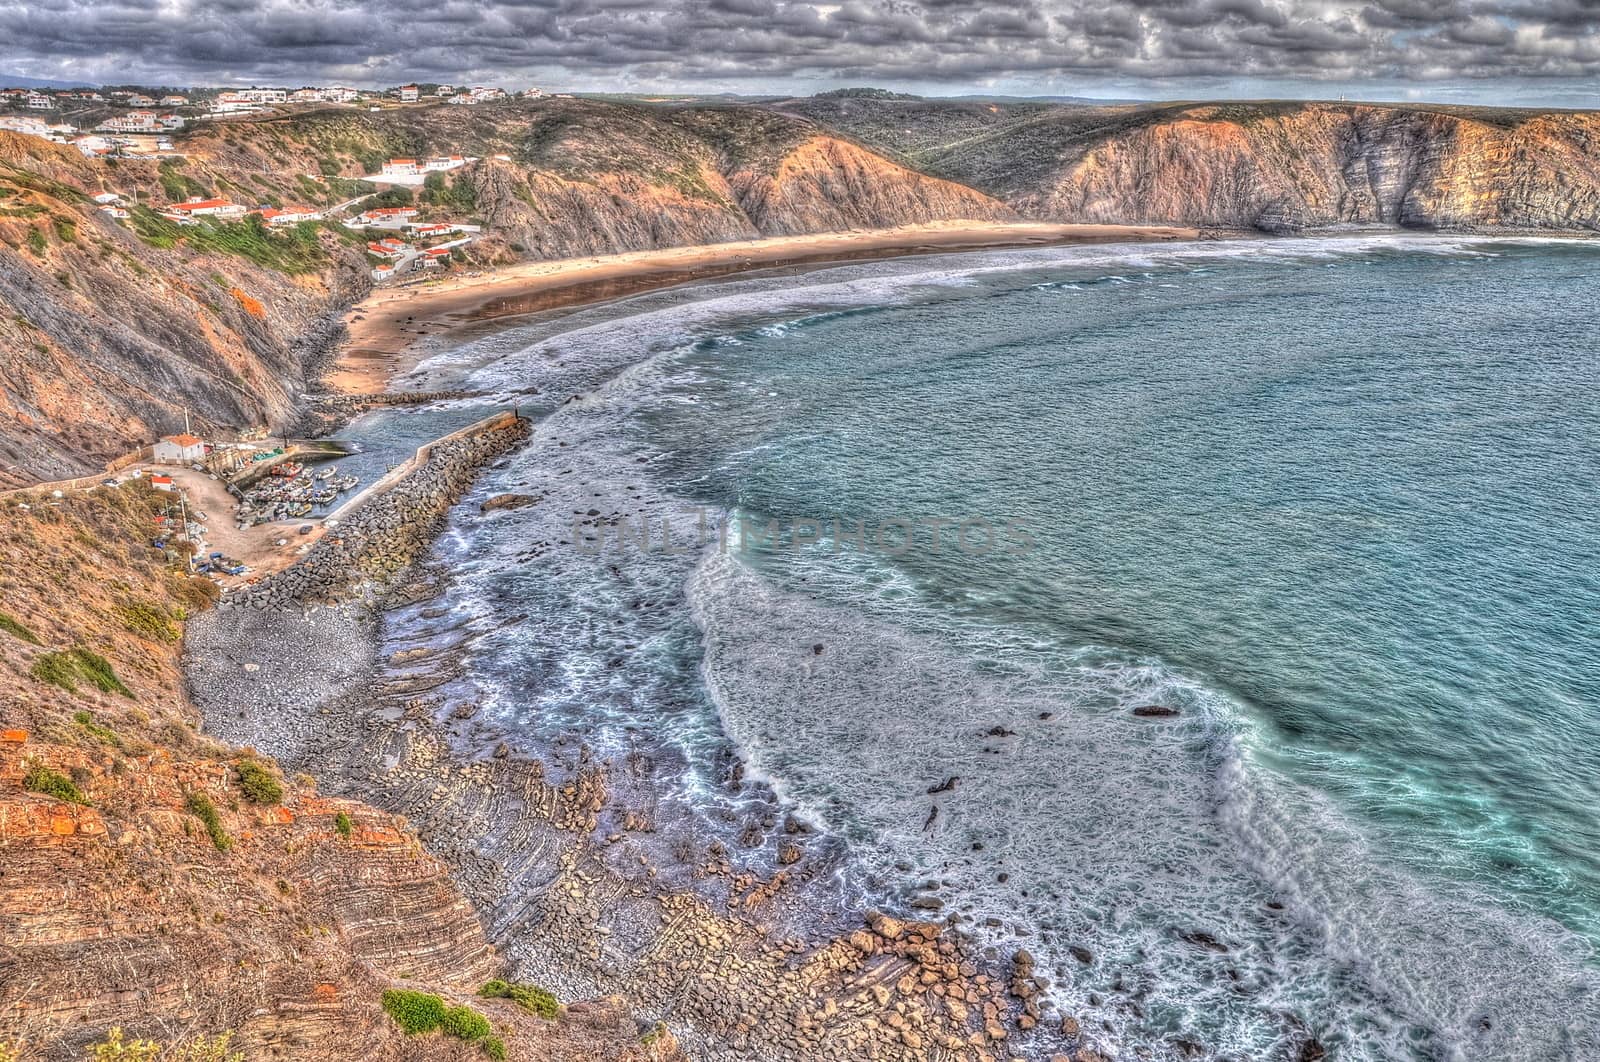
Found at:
[750, 44]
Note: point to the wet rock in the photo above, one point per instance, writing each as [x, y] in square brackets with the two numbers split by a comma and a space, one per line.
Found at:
[1203, 940]
[507, 501]
[1155, 711]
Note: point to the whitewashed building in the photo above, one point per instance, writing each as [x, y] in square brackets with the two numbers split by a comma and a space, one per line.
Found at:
[181, 449]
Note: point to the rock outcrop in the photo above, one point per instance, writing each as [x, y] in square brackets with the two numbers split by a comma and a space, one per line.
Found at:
[144, 883]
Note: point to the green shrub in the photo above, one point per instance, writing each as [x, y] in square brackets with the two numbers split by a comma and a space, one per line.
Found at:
[66, 230]
[149, 621]
[55, 669]
[69, 668]
[17, 630]
[203, 809]
[415, 1012]
[97, 671]
[258, 784]
[530, 998]
[37, 241]
[341, 822]
[457, 194]
[105, 734]
[41, 779]
[464, 1023]
[495, 1048]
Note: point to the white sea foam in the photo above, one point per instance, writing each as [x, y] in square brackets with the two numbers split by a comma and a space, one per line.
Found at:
[1117, 835]
[1130, 839]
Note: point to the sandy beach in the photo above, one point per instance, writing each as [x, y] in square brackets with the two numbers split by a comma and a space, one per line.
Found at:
[385, 326]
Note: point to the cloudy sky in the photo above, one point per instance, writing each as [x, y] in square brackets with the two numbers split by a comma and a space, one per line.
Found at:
[1493, 51]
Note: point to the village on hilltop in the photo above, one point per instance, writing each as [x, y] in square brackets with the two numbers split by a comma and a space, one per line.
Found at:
[132, 123]
[128, 121]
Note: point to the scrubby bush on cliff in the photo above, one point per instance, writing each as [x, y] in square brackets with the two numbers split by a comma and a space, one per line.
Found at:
[69, 668]
[149, 621]
[464, 1023]
[415, 1012]
[17, 630]
[493, 1046]
[342, 823]
[86, 722]
[258, 784]
[209, 1049]
[41, 779]
[530, 998]
[203, 809]
[424, 1012]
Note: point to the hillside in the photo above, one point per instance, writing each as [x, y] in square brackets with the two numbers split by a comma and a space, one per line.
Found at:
[113, 329]
[161, 881]
[1278, 167]
[118, 327]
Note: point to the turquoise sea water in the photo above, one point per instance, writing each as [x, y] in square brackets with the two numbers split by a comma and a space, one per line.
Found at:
[1333, 500]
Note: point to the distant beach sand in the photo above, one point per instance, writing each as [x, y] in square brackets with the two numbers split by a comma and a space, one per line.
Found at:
[385, 326]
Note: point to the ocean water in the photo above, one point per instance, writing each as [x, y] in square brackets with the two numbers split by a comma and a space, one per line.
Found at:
[1332, 500]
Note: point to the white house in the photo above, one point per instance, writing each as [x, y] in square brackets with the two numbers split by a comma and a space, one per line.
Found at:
[137, 100]
[197, 206]
[444, 162]
[174, 101]
[132, 122]
[39, 102]
[391, 216]
[289, 215]
[408, 93]
[234, 103]
[182, 449]
[400, 168]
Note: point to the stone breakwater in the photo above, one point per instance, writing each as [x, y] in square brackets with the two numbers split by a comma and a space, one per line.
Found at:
[387, 531]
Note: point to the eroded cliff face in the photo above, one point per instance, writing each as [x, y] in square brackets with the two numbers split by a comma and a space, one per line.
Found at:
[1292, 168]
[626, 179]
[108, 337]
[826, 184]
[281, 923]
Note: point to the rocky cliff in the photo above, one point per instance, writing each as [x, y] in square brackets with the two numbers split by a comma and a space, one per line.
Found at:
[109, 335]
[158, 880]
[1277, 167]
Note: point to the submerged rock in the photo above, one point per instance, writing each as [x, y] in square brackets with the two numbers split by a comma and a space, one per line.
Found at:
[507, 501]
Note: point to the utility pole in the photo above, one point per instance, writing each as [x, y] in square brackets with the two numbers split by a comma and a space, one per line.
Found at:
[183, 510]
